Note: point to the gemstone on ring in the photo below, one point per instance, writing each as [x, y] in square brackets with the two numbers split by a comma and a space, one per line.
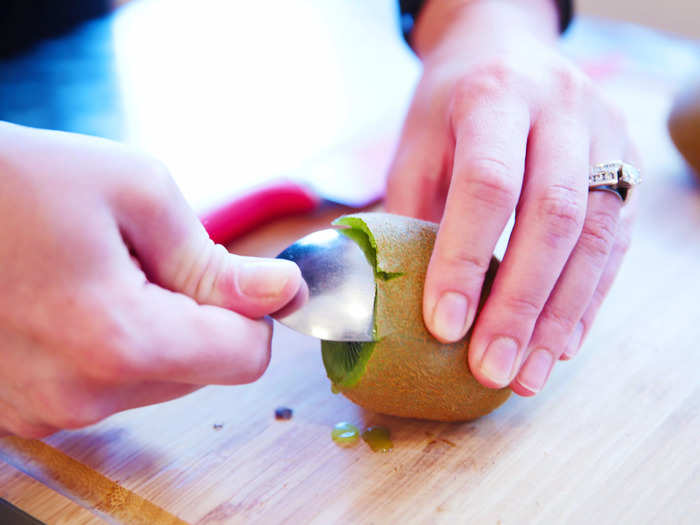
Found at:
[615, 176]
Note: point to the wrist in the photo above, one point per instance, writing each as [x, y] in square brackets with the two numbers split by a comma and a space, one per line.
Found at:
[449, 23]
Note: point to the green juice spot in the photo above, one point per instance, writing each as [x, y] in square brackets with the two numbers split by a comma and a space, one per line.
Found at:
[378, 439]
[345, 434]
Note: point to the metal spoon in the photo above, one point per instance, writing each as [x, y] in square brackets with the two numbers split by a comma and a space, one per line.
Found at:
[337, 303]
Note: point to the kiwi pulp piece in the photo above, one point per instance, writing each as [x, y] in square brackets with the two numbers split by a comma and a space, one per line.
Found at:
[345, 361]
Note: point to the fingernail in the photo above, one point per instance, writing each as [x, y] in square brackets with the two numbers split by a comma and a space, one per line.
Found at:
[450, 316]
[264, 277]
[536, 369]
[499, 358]
[574, 342]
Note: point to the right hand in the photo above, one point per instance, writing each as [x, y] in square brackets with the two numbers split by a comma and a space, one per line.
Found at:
[112, 295]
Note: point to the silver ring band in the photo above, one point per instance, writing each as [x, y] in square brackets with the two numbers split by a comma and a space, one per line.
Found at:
[616, 176]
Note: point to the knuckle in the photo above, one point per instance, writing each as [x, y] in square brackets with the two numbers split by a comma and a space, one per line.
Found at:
[151, 193]
[156, 175]
[499, 73]
[485, 80]
[465, 261]
[564, 322]
[489, 182]
[598, 234]
[211, 274]
[561, 211]
[573, 86]
[190, 270]
[522, 306]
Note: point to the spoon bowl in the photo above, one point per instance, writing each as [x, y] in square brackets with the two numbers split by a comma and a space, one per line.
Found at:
[337, 301]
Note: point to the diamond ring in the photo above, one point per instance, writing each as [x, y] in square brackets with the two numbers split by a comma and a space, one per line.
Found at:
[616, 176]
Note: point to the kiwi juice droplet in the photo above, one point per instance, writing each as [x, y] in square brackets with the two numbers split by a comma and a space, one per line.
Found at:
[378, 439]
[345, 435]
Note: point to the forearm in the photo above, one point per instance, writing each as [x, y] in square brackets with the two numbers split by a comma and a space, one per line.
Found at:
[443, 21]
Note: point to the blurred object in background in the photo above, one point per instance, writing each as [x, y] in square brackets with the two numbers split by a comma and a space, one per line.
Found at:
[235, 96]
[25, 22]
[680, 17]
[68, 82]
[684, 124]
[230, 95]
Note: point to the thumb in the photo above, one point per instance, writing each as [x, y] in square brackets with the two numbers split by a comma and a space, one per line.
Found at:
[176, 253]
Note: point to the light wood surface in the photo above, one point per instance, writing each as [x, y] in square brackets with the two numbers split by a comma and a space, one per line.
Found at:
[613, 438]
[47, 505]
[87, 487]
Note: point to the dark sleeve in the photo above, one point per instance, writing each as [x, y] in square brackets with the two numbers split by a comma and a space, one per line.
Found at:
[410, 9]
[24, 22]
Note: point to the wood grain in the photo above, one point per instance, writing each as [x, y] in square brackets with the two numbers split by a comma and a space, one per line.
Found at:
[82, 484]
[47, 505]
[613, 438]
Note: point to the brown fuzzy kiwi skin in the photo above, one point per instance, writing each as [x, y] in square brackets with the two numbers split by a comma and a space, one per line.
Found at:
[410, 373]
[684, 125]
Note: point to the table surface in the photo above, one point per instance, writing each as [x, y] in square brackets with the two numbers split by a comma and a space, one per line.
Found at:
[614, 437]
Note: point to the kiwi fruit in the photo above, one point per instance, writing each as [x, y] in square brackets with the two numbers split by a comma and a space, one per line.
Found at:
[405, 371]
[684, 125]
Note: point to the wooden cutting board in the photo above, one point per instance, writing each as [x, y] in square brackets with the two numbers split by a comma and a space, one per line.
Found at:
[614, 437]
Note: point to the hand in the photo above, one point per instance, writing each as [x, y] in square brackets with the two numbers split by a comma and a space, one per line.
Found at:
[501, 122]
[112, 296]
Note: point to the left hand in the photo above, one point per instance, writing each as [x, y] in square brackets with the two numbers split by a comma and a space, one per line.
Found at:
[501, 122]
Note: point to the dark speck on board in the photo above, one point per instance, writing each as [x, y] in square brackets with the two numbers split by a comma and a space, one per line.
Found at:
[283, 413]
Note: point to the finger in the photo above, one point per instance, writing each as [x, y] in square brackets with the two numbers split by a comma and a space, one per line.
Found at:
[173, 339]
[491, 134]
[125, 397]
[560, 317]
[414, 186]
[548, 224]
[622, 242]
[175, 252]
[611, 270]
[79, 401]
